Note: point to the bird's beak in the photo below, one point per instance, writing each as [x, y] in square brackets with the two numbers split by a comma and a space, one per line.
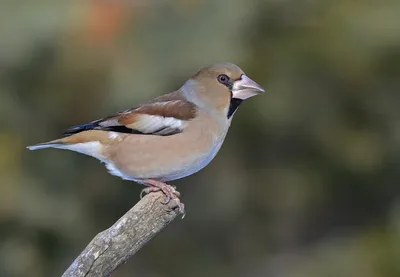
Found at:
[245, 88]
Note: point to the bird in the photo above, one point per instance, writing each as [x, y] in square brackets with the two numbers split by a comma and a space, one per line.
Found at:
[170, 137]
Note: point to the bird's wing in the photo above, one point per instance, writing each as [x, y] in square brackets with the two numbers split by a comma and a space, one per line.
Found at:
[163, 117]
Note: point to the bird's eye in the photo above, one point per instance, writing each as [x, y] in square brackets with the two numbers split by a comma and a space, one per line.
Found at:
[223, 79]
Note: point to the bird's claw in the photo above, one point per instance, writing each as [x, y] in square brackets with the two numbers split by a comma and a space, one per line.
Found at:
[170, 194]
[147, 190]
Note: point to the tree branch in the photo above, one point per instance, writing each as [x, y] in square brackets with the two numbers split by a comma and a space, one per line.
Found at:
[114, 246]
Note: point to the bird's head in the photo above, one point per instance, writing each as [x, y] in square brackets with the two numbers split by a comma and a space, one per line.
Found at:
[220, 87]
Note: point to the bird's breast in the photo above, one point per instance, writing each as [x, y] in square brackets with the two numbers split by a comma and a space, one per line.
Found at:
[167, 158]
[195, 161]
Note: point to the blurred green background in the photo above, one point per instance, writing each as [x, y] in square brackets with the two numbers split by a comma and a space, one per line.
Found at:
[306, 184]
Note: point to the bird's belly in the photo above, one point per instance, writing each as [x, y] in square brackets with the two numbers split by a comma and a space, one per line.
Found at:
[176, 161]
[193, 165]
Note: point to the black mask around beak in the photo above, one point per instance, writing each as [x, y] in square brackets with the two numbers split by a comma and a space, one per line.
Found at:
[241, 90]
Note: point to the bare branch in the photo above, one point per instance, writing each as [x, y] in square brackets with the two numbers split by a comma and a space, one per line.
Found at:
[114, 246]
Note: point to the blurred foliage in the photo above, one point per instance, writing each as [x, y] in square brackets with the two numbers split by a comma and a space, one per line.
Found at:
[307, 183]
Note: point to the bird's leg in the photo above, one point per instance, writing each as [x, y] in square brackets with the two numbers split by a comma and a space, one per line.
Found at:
[154, 185]
[169, 191]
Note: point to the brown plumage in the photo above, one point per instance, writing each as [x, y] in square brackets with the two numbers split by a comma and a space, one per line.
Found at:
[179, 109]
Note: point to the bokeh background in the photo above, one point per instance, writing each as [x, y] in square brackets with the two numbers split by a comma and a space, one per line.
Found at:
[307, 182]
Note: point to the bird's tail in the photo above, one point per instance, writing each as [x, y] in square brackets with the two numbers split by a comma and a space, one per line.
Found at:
[50, 144]
[87, 144]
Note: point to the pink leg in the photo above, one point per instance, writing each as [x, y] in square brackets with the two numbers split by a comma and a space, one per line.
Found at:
[169, 191]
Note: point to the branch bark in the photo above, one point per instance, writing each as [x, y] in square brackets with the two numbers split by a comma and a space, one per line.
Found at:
[114, 246]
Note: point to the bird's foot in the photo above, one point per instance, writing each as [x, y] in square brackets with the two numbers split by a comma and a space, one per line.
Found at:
[170, 193]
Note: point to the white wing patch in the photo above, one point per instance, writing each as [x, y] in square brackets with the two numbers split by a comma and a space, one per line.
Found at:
[113, 135]
[157, 125]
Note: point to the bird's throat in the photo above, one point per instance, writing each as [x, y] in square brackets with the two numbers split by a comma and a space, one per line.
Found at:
[235, 103]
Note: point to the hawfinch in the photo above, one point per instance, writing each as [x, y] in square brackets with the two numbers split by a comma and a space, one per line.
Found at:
[170, 137]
